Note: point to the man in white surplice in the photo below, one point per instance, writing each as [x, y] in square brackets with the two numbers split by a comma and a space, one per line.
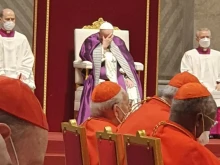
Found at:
[203, 62]
[16, 57]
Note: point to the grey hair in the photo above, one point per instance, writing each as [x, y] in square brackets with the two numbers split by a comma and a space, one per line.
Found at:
[17, 126]
[202, 29]
[205, 105]
[98, 109]
[168, 92]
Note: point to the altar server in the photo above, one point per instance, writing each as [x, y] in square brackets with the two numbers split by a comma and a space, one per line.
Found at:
[16, 57]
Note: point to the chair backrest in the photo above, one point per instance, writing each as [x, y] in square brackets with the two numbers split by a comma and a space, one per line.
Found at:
[81, 34]
[109, 147]
[141, 149]
[75, 143]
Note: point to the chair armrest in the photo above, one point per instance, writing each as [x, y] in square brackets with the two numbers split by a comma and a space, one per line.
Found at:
[82, 64]
[139, 66]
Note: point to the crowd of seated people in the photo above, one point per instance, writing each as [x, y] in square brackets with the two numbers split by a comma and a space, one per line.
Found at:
[182, 118]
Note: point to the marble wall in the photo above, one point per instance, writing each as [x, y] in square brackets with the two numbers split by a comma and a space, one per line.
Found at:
[24, 10]
[176, 35]
[207, 14]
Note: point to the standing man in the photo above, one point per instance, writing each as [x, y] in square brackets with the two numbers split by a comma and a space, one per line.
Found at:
[203, 62]
[111, 62]
[16, 57]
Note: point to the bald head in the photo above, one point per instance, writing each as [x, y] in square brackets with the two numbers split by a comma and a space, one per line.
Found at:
[7, 12]
[7, 19]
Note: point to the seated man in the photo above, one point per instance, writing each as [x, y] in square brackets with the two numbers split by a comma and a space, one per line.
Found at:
[156, 108]
[193, 111]
[111, 61]
[16, 57]
[22, 112]
[5, 132]
[109, 107]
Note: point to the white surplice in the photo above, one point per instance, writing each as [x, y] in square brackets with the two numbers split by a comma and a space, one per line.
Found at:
[16, 58]
[206, 67]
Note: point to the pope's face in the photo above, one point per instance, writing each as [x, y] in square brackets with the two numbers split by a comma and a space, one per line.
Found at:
[105, 33]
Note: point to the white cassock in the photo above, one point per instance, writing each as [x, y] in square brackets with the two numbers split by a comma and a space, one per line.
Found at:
[16, 58]
[206, 67]
[111, 73]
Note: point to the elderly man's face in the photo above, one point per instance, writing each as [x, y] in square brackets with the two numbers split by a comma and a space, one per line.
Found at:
[105, 33]
[124, 107]
[205, 122]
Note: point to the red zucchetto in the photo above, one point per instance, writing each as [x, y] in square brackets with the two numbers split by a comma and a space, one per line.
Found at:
[105, 91]
[17, 99]
[182, 78]
[192, 91]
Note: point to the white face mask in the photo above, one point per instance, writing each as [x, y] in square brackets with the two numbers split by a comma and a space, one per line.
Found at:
[204, 42]
[204, 138]
[15, 153]
[9, 25]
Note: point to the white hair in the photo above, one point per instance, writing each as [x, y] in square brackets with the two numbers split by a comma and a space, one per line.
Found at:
[97, 109]
[202, 29]
[169, 91]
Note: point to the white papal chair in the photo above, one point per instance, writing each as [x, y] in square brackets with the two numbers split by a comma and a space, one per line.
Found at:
[79, 37]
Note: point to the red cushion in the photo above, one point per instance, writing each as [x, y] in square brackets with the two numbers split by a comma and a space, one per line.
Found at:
[139, 155]
[72, 148]
[107, 152]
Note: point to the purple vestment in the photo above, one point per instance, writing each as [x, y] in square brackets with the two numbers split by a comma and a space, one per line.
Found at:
[86, 54]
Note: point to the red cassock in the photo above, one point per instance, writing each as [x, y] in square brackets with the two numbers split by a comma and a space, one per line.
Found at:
[179, 147]
[93, 125]
[146, 117]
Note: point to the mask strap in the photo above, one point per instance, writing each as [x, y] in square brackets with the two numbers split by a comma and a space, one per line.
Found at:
[210, 118]
[203, 123]
[15, 153]
[118, 120]
[122, 111]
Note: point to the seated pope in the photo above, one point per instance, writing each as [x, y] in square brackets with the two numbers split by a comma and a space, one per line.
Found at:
[111, 62]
